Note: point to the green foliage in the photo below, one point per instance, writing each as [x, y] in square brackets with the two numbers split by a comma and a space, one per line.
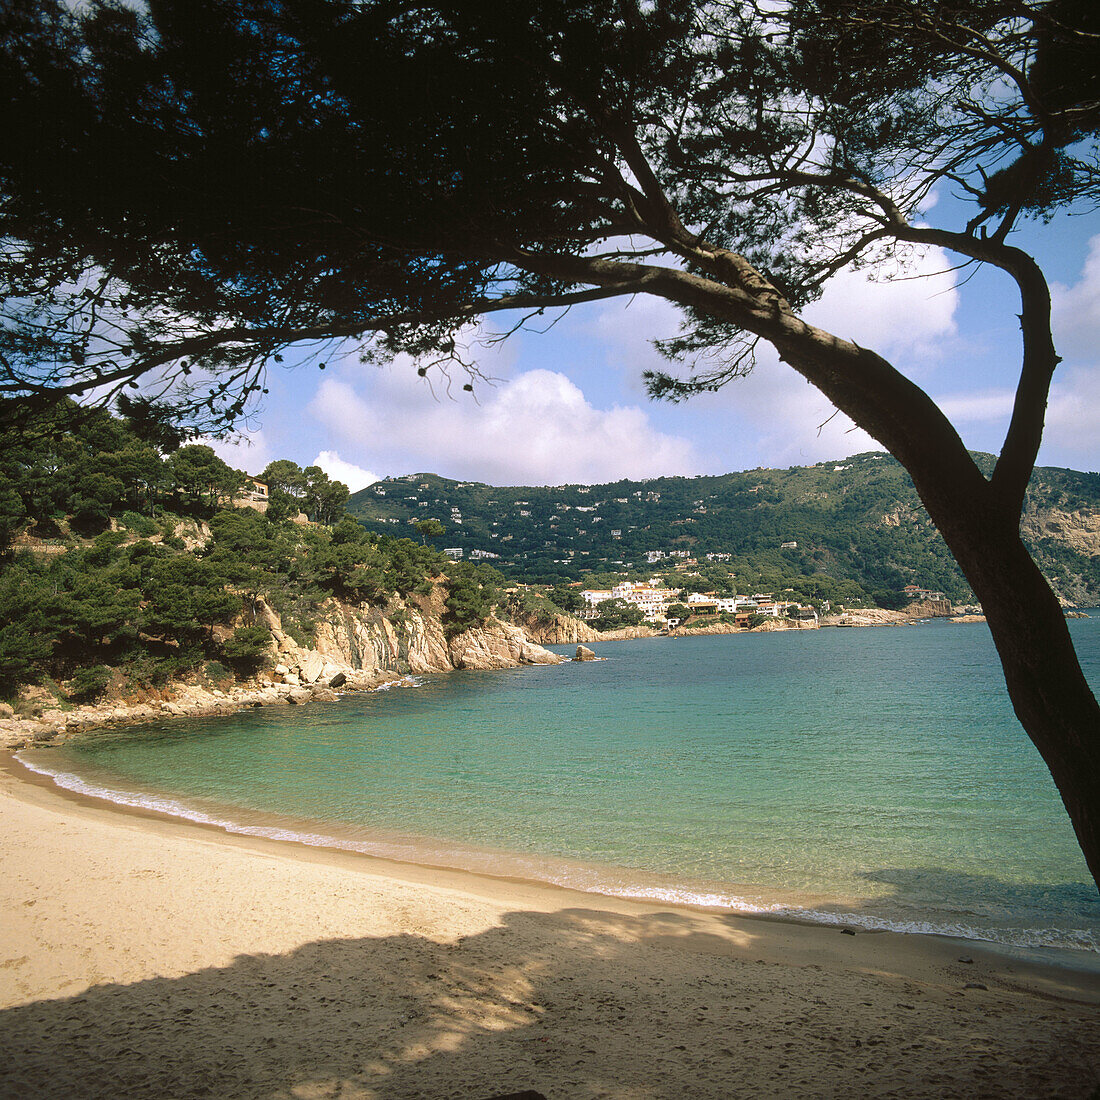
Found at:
[861, 530]
[139, 524]
[202, 480]
[247, 647]
[291, 490]
[89, 683]
[471, 595]
[150, 607]
[567, 598]
[617, 613]
[429, 528]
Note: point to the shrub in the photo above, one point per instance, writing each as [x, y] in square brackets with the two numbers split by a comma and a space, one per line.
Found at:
[246, 647]
[139, 524]
[616, 613]
[214, 672]
[89, 683]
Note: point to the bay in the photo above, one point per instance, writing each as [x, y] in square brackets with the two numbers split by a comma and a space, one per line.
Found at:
[874, 777]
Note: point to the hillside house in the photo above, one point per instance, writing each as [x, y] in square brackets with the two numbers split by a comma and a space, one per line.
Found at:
[252, 495]
[916, 592]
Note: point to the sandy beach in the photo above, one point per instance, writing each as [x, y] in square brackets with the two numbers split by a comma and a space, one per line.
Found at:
[145, 957]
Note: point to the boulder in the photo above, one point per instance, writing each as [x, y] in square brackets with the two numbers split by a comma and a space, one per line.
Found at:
[311, 667]
[339, 680]
[299, 695]
[324, 695]
[584, 654]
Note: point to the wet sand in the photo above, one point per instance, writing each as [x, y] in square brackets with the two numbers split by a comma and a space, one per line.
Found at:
[147, 957]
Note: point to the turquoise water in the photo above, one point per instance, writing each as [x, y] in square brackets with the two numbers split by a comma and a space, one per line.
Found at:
[868, 776]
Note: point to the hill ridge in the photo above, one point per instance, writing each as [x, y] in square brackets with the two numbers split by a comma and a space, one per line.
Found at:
[858, 525]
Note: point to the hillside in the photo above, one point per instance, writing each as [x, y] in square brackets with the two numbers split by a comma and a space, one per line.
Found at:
[859, 528]
[128, 565]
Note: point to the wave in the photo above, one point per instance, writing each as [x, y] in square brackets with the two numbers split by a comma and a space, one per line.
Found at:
[405, 681]
[583, 879]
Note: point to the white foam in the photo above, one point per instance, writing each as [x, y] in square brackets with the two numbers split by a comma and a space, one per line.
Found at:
[1075, 938]
[405, 681]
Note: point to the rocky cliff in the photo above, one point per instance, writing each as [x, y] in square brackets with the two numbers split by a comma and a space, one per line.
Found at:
[1072, 575]
[557, 629]
[353, 640]
[928, 609]
[355, 646]
[1079, 530]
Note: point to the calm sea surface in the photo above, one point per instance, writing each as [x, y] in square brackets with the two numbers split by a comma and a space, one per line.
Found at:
[868, 776]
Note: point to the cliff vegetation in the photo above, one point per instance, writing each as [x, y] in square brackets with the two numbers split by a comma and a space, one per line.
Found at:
[130, 561]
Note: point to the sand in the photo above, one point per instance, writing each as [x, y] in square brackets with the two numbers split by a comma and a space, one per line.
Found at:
[144, 957]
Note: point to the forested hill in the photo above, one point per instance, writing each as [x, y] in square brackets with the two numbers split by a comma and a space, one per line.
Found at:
[129, 559]
[857, 521]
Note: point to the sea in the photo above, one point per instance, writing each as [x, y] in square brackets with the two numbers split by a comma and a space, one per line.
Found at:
[872, 778]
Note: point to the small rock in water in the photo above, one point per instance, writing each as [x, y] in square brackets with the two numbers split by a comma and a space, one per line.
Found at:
[975, 985]
[584, 654]
[965, 959]
[847, 931]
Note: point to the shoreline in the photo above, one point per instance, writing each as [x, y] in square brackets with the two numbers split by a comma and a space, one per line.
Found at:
[184, 699]
[55, 726]
[147, 957]
[309, 845]
[842, 908]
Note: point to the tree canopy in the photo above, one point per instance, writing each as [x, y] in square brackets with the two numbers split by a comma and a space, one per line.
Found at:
[191, 186]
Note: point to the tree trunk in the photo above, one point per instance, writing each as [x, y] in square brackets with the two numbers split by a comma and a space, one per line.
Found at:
[1049, 693]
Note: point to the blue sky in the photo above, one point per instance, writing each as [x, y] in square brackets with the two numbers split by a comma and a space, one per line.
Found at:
[569, 405]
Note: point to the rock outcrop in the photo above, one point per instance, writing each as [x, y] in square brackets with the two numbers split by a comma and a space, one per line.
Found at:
[623, 633]
[928, 609]
[354, 647]
[352, 640]
[1079, 530]
[584, 654]
[557, 629]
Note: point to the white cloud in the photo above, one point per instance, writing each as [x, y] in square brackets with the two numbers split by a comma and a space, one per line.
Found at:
[777, 418]
[354, 477]
[537, 428]
[249, 451]
[1077, 311]
[1072, 420]
[774, 415]
[981, 406]
[1073, 417]
[908, 318]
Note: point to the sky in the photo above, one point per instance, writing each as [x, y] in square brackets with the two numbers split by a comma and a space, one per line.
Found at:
[569, 405]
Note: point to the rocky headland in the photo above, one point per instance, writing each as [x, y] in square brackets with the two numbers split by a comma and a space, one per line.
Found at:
[354, 648]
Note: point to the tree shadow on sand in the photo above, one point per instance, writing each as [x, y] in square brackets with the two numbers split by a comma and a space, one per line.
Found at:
[578, 1003]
